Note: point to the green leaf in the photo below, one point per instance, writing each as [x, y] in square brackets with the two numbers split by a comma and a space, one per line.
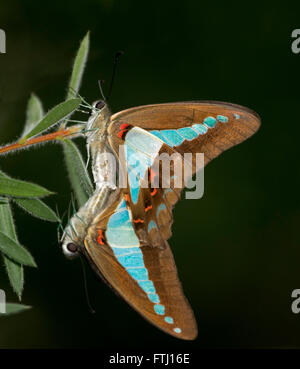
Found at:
[14, 270]
[2, 174]
[78, 174]
[34, 114]
[56, 114]
[12, 308]
[6, 220]
[38, 209]
[78, 66]
[15, 251]
[17, 188]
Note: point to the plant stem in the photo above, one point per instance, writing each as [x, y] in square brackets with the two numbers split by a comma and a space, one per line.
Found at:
[58, 135]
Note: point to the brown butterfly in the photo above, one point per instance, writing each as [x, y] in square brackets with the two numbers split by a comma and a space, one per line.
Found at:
[123, 230]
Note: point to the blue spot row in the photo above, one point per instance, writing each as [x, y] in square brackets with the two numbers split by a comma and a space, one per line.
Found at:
[210, 122]
[173, 137]
[222, 118]
[188, 133]
[131, 260]
[169, 320]
[201, 128]
[159, 309]
[119, 233]
[147, 286]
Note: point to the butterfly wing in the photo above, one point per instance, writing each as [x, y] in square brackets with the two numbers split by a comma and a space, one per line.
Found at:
[145, 276]
[190, 127]
[134, 256]
[209, 127]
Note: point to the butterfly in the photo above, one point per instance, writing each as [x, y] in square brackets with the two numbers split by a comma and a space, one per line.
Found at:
[123, 231]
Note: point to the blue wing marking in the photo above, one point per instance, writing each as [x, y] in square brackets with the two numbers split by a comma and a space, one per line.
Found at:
[201, 128]
[222, 118]
[160, 208]
[125, 244]
[210, 122]
[152, 225]
[173, 136]
[188, 133]
[141, 148]
[162, 137]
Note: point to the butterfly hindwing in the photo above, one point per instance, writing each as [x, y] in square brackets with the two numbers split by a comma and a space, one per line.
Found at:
[144, 276]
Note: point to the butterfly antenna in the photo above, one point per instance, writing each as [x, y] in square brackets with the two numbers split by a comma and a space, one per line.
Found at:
[60, 235]
[73, 203]
[116, 59]
[88, 157]
[59, 224]
[92, 311]
[76, 94]
[100, 83]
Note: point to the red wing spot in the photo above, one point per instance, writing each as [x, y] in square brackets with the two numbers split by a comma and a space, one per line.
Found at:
[138, 221]
[148, 208]
[152, 174]
[123, 129]
[120, 134]
[126, 197]
[154, 192]
[124, 126]
[100, 237]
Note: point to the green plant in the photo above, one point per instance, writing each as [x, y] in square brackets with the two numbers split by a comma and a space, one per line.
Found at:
[28, 195]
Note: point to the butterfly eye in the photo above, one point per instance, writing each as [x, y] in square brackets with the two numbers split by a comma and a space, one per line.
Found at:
[99, 104]
[72, 247]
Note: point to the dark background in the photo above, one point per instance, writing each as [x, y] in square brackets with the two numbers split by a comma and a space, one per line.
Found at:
[237, 248]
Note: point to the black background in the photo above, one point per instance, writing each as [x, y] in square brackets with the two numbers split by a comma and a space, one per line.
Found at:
[237, 248]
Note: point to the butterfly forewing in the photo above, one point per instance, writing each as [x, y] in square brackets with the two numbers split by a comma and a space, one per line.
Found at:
[218, 125]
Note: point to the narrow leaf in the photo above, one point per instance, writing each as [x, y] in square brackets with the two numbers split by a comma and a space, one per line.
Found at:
[2, 174]
[78, 174]
[6, 220]
[38, 209]
[56, 114]
[14, 270]
[78, 66]
[34, 114]
[15, 251]
[17, 188]
[12, 308]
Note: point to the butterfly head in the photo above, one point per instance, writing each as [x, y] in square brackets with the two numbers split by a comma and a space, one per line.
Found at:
[70, 245]
[99, 118]
[70, 250]
[72, 238]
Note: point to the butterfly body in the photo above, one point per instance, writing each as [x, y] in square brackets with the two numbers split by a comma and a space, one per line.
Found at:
[123, 229]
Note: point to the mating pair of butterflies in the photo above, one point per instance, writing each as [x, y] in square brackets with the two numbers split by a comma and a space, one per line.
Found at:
[123, 232]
